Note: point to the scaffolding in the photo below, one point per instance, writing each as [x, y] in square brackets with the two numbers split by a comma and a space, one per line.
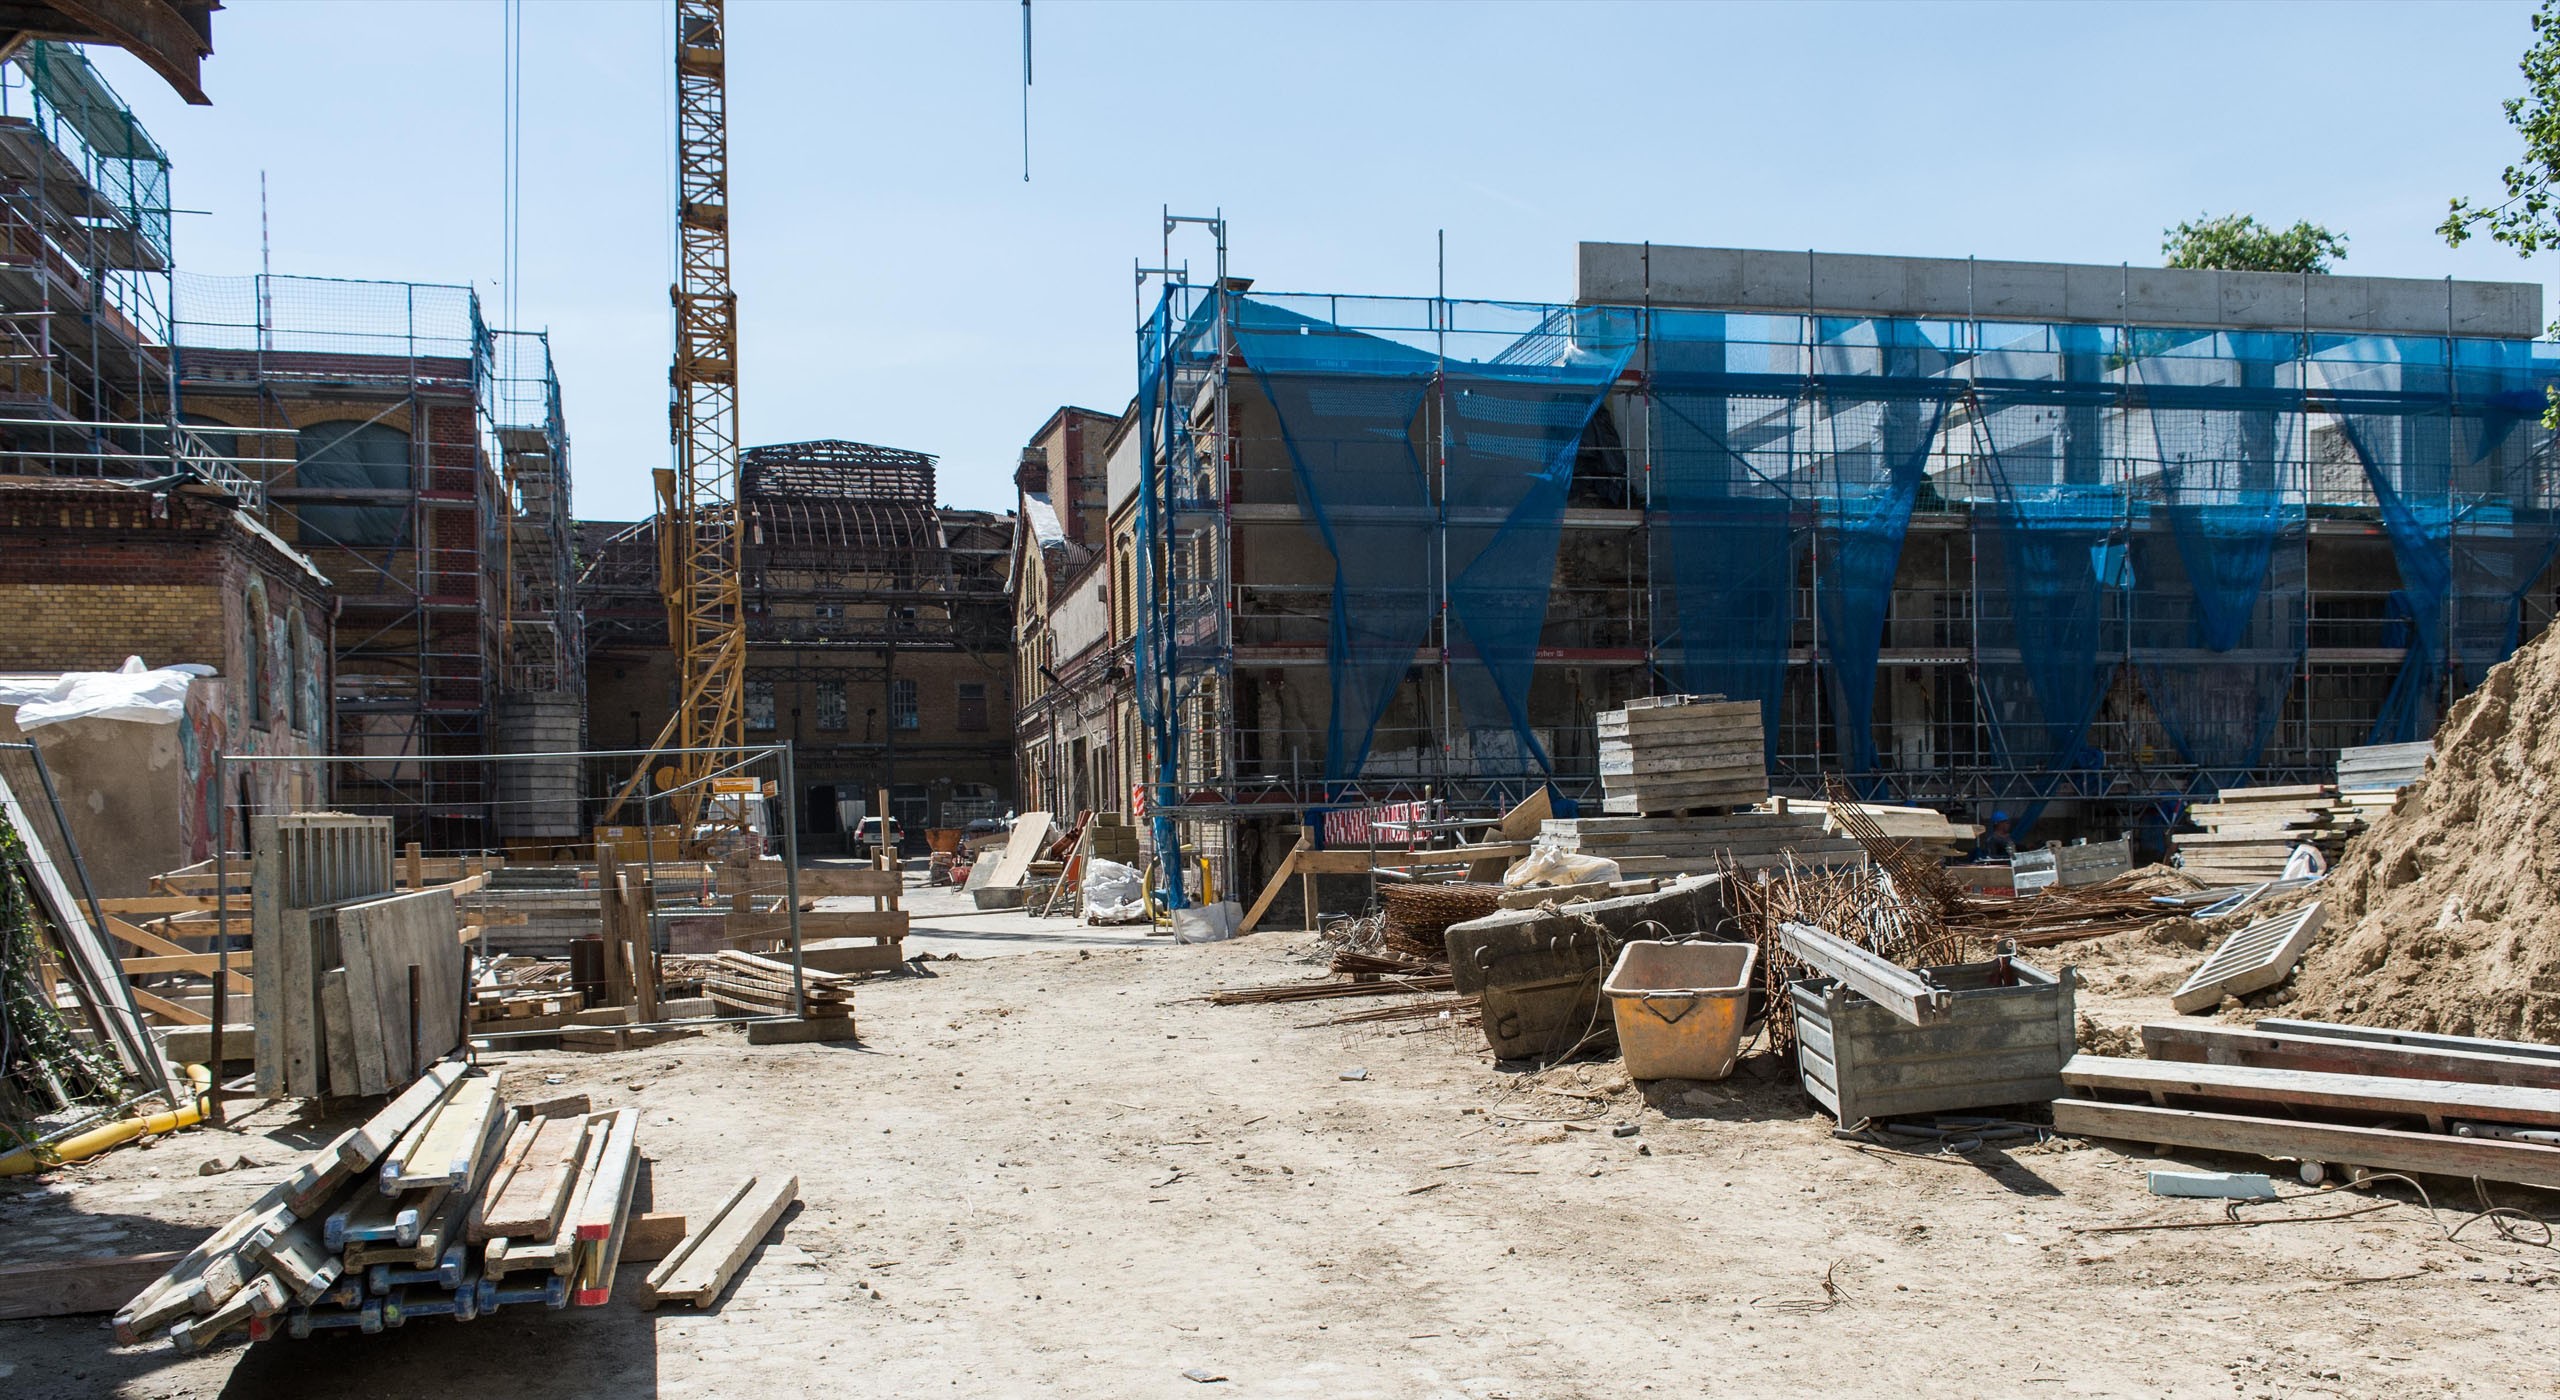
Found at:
[420, 459]
[85, 269]
[1961, 561]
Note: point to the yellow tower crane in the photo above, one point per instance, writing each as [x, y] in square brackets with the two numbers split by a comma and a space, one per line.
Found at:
[699, 530]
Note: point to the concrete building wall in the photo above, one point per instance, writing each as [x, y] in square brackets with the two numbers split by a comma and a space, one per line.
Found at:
[1854, 284]
[1082, 618]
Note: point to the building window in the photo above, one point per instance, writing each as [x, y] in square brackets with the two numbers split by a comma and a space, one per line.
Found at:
[351, 462]
[262, 662]
[759, 704]
[829, 610]
[971, 716]
[831, 706]
[297, 674]
[902, 705]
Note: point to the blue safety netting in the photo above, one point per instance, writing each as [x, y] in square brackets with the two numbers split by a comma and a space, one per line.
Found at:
[2217, 618]
[1349, 408]
[1515, 422]
[2056, 558]
[2449, 435]
[1882, 398]
[1725, 464]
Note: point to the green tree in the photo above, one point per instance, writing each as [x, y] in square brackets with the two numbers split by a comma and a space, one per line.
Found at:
[2526, 220]
[2239, 243]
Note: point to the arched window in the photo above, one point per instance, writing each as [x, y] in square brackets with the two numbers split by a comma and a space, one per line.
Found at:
[257, 666]
[353, 457]
[297, 680]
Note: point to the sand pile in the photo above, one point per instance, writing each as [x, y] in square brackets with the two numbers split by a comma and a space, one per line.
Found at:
[2445, 915]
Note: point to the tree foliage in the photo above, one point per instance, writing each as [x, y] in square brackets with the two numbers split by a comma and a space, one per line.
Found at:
[2526, 220]
[2239, 243]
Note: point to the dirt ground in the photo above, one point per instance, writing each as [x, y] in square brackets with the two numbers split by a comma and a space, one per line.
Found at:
[1056, 1172]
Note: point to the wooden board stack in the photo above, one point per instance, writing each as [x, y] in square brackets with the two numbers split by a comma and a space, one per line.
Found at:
[744, 984]
[1682, 753]
[2250, 832]
[1702, 845]
[443, 1204]
[2330, 1096]
[2383, 768]
[1928, 831]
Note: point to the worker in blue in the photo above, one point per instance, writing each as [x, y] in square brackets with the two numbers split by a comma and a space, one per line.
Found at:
[1996, 843]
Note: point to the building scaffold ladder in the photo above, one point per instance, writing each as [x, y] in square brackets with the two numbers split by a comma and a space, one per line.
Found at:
[1187, 646]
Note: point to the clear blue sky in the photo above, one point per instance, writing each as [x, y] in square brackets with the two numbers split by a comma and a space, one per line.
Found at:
[899, 283]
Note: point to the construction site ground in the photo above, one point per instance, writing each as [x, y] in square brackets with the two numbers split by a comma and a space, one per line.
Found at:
[1060, 1172]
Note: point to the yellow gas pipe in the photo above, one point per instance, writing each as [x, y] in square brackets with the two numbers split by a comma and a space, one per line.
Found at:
[97, 1140]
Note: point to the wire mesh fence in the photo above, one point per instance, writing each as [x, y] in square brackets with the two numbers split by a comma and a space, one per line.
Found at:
[582, 910]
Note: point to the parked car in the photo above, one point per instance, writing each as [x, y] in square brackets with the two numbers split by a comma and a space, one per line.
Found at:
[867, 839]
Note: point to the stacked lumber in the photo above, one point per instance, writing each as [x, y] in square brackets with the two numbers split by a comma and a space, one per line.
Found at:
[2383, 768]
[1926, 830]
[754, 986]
[2249, 833]
[445, 1203]
[2351, 1098]
[1702, 845]
[1682, 753]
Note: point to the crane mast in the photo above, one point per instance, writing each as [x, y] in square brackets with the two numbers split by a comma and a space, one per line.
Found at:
[699, 526]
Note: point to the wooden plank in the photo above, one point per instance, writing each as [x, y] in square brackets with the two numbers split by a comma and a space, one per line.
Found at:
[650, 1236]
[604, 1212]
[156, 945]
[529, 1206]
[608, 1198]
[201, 964]
[383, 939]
[84, 946]
[1521, 823]
[644, 953]
[511, 1160]
[157, 905]
[2206, 1042]
[447, 1152]
[1279, 881]
[366, 1145]
[2422, 1040]
[699, 1270]
[2381, 1149]
[168, 1010]
[2434, 1100]
[1895, 989]
[1030, 833]
[68, 1287]
[337, 1035]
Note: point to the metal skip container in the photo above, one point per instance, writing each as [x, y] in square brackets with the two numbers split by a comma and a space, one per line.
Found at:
[1680, 1007]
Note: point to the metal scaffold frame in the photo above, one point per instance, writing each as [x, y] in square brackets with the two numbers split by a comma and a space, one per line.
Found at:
[2183, 478]
[1186, 655]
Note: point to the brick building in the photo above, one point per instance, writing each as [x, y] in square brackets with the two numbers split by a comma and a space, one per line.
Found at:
[92, 572]
[1076, 732]
[877, 637]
